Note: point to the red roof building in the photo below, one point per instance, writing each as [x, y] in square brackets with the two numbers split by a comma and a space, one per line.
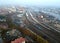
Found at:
[19, 40]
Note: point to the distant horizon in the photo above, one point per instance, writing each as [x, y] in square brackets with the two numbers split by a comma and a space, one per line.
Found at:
[32, 6]
[42, 3]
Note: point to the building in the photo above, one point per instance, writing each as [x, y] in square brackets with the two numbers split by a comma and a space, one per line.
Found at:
[19, 40]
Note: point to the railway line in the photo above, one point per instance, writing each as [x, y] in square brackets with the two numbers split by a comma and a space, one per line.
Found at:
[44, 30]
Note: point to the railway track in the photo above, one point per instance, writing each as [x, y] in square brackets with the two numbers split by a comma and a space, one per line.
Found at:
[43, 30]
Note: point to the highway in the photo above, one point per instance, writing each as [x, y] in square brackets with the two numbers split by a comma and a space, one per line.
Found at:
[41, 29]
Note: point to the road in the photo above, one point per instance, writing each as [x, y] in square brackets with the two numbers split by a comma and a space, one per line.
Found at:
[41, 29]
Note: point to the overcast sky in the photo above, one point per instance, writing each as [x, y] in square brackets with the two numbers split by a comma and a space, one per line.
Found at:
[31, 2]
